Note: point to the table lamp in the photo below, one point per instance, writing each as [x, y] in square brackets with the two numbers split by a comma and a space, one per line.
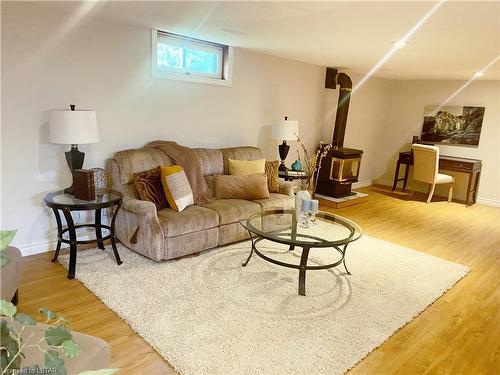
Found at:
[287, 131]
[73, 127]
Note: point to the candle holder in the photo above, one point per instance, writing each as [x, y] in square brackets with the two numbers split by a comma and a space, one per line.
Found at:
[314, 210]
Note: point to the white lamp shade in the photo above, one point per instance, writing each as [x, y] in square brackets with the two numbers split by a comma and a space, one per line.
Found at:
[286, 130]
[73, 127]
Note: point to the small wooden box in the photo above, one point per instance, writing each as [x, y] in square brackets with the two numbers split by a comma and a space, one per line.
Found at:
[83, 185]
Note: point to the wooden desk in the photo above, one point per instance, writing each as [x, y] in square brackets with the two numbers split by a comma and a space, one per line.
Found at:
[447, 163]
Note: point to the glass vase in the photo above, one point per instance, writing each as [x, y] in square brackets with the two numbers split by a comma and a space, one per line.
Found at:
[299, 197]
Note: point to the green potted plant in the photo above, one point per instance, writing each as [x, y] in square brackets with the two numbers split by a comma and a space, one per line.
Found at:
[17, 331]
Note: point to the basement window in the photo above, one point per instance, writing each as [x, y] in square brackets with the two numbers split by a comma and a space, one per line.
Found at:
[188, 59]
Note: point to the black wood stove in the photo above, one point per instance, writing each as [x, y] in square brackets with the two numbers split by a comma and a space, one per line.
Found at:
[340, 167]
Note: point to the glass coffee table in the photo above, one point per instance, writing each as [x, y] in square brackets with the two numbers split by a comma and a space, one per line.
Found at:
[280, 226]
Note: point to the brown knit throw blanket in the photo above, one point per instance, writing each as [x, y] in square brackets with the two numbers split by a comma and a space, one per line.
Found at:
[191, 163]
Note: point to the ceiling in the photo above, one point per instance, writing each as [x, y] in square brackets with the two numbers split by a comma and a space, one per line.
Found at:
[455, 41]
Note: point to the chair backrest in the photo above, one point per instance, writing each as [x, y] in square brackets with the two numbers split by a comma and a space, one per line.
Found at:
[425, 163]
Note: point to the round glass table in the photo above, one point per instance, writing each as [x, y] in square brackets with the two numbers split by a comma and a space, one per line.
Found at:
[325, 230]
[59, 201]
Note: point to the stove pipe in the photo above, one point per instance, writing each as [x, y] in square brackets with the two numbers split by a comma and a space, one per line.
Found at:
[334, 78]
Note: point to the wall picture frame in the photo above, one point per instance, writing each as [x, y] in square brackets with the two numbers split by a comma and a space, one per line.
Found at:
[453, 125]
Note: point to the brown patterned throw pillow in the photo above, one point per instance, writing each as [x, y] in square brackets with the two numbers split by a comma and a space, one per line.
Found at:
[149, 187]
[272, 176]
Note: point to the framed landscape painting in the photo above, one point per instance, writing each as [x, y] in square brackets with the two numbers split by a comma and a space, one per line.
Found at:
[452, 125]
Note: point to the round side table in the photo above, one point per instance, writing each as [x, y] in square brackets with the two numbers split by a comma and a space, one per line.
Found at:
[58, 201]
[292, 176]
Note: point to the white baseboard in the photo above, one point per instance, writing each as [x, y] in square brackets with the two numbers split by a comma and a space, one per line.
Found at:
[384, 182]
[38, 248]
[488, 202]
[45, 247]
[361, 184]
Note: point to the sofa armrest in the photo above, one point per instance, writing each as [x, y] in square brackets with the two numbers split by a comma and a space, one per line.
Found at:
[138, 228]
[11, 273]
[287, 188]
[141, 208]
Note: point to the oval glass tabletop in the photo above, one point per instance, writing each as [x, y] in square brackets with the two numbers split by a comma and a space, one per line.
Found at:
[281, 226]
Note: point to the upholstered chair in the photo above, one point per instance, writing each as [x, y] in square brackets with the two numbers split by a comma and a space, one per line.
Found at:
[425, 169]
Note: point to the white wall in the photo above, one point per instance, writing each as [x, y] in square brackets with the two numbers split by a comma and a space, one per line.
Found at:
[404, 118]
[104, 64]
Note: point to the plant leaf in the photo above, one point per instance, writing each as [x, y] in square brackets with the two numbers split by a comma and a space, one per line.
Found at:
[7, 308]
[55, 363]
[70, 348]
[4, 259]
[49, 314]
[9, 348]
[57, 335]
[25, 319]
[6, 237]
[104, 371]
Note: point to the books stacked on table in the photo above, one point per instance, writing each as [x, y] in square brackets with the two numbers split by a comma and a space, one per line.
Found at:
[296, 173]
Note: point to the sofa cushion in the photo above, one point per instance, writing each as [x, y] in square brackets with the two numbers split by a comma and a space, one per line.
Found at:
[192, 219]
[233, 210]
[211, 183]
[239, 153]
[211, 160]
[276, 201]
[139, 160]
[250, 187]
[230, 233]
[246, 167]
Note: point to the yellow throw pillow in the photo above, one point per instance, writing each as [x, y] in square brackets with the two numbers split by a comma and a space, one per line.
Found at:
[246, 167]
[176, 187]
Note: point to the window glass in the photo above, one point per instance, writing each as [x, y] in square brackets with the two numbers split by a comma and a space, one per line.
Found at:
[187, 56]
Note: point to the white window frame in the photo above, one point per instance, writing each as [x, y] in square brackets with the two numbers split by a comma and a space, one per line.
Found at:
[225, 64]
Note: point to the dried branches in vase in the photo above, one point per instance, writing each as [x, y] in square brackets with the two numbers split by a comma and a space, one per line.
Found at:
[311, 164]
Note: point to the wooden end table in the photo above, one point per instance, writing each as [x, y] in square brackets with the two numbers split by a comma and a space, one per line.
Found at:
[292, 176]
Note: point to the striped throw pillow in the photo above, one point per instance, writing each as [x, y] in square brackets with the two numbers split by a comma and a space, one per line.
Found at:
[176, 187]
[149, 188]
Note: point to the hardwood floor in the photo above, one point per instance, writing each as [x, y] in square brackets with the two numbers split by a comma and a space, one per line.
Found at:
[458, 334]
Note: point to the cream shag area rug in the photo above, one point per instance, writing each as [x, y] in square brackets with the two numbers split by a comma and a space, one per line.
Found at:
[207, 315]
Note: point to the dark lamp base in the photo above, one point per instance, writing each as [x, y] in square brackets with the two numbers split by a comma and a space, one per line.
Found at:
[74, 158]
[283, 151]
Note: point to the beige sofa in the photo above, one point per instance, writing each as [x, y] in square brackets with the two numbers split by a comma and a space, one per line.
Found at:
[167, 234]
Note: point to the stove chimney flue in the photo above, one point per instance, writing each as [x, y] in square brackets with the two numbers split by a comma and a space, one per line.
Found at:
[334, 78]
